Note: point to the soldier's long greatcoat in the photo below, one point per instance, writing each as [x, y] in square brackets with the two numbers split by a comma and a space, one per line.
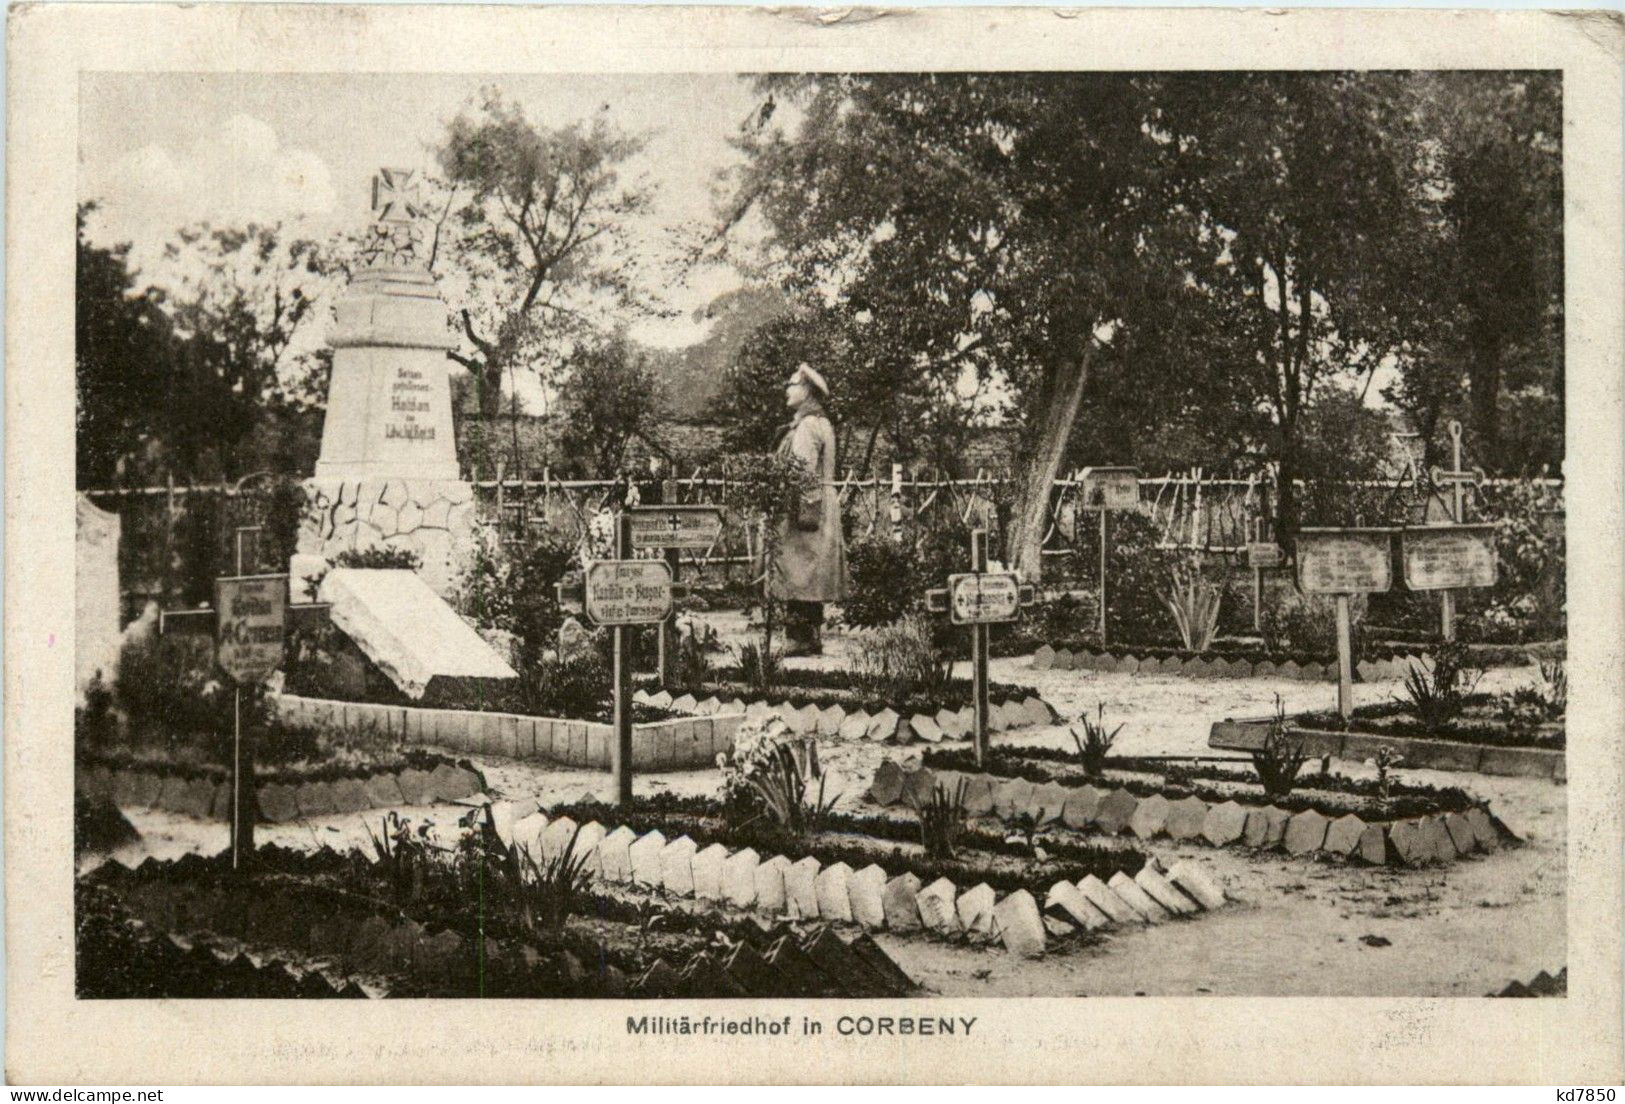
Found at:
[811, 564]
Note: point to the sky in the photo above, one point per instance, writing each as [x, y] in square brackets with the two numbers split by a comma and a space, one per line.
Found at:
[162, 150]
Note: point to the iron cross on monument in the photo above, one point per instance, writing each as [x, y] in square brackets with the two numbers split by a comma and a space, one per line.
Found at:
[395, 234]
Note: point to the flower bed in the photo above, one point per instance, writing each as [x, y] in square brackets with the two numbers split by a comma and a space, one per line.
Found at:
[1335, 816]
[445, 942]
[1484, 749]
[676, 743]
[846, 876]
[821, 712]
[203, 790]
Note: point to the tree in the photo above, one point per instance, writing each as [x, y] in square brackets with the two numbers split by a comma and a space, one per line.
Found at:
[535, 217]
[1315, 185]
[967, 231]
[612, 395]
[122, 346]
[241, 300]
[1502, 256]
[198, 372]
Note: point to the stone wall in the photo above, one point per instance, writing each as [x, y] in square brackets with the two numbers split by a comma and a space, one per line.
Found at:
[433, 518]
[682, 743]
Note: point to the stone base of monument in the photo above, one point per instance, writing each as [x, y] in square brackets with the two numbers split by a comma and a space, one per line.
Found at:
[432, 518]
[412, 635]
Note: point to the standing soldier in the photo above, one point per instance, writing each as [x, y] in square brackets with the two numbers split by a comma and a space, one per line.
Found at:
[811, 565]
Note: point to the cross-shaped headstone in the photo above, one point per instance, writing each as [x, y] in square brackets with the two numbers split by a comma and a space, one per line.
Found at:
[978, 598]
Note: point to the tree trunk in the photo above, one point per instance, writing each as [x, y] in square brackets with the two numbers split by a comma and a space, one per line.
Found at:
[1062, 397]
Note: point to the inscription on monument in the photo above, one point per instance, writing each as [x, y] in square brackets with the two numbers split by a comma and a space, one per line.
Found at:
[408, 397]
[1449, 558]
[1344, 561]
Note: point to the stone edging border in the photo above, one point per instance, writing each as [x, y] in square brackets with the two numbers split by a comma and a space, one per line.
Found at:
[1125, 661]
[833, 721]
[679, 743]
[1542, 984]
[1423, 840]
[279, 802]
[807, 890]
[1414, 751]
[376, 945]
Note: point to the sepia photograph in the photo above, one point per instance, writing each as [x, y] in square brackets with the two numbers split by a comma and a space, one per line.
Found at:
[896, 534]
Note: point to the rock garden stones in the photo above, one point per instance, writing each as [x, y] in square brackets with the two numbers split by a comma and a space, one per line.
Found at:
[974, 908]
[1160, 890]
[1066, 899]
[1483, 829]
[832, 888]
[706, 868]
[1047, 801]
[1305, 832]
[1343, 835]
[644, 855]
[887, 788]
[900, 904]
[1020, 924]
[770, 887]
[739, 878]
[1011, 797]
[866, 890]
[801, 888]
[1373, 846]
[1081, 804]
[615, 854]
[1461, 833]
[1150, 816]
[1186, 818]
[1224, 823]
[1099, 894]
[936, 903]
[1115, 811]
[1198, 885]
[1265, 827]
[883, 725]
[1136, 898]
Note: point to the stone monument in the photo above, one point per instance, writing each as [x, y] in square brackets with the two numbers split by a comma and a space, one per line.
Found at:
[388, 476]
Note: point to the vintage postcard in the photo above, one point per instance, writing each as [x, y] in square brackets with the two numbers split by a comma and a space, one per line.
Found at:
[705, 544]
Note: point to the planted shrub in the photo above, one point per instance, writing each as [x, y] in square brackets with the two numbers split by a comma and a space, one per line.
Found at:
[758, 667]
[1095, 743]
[550, 891]
[942, 819]
[882, 582]
[901, 660]
[763, 778]
[1436, 693]
[1194, 602]
[1280, 759]
[1307, 623]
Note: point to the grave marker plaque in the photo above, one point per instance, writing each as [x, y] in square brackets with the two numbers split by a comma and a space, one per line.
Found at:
[1262, 554]
[1111, 488]
[1345, 561]
[251, 612]
[628, 592]
[1449, 557]
[982, 599]
[691, 527]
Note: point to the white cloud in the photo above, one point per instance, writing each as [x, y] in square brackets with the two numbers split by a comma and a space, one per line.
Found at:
[240, 172]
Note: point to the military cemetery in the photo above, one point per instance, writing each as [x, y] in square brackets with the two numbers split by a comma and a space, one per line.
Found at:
[775, 545]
